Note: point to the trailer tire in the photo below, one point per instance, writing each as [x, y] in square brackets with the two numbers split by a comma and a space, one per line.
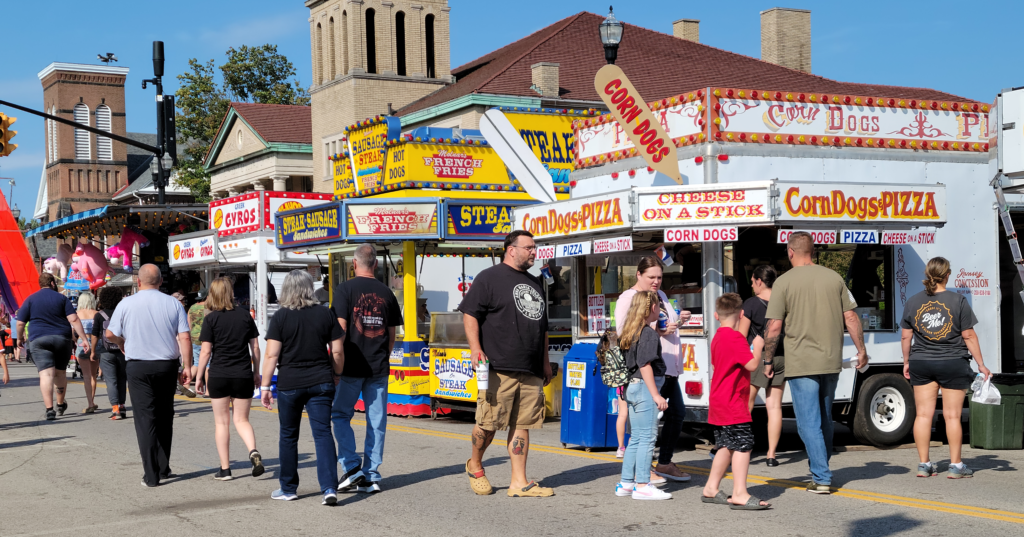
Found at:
[885, 410]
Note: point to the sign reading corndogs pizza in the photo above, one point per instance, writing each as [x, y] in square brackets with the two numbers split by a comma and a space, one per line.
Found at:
[820, 202]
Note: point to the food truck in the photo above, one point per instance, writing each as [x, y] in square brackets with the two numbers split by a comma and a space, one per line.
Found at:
[882, 184]
[437, 204]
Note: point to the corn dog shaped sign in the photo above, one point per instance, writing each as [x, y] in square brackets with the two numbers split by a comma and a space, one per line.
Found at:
[637, 121]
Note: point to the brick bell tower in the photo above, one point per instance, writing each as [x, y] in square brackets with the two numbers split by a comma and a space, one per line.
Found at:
[83, 170]
[367, 54]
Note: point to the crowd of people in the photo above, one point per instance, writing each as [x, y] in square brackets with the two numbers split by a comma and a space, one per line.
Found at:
[328, 360]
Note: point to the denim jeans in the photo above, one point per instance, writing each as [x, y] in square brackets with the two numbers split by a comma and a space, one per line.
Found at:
[643, 419]
[673, 419]
[317, 402]
[375, 403]
[812, 405]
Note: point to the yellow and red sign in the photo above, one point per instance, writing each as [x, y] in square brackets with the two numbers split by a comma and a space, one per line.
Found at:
[392, 220]
[416, 165]
[343, 179]
[863, 202]
[639, 123]
[368, 147]
[575, 216]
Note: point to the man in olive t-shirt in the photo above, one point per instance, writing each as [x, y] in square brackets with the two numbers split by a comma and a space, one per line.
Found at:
[815, 305]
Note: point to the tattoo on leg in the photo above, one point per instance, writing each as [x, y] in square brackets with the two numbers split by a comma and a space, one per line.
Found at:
[60, 390]
[518, 446]
[481, 439]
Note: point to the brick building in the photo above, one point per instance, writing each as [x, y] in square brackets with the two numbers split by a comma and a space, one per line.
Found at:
[83, 170]
[369, 55]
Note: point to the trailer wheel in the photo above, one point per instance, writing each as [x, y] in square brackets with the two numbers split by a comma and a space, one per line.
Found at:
[885, 410]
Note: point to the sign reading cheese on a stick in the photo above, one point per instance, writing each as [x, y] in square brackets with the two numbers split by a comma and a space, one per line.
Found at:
[637, 121]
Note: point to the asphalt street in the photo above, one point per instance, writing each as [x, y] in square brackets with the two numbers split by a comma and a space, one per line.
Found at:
[80, 475]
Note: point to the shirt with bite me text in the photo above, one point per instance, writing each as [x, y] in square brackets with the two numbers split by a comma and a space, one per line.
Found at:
[229, 332]
[509, 304]
[305, 335]
[730, 381]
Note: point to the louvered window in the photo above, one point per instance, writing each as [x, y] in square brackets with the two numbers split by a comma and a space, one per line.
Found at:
[81, 115]
[104, 148]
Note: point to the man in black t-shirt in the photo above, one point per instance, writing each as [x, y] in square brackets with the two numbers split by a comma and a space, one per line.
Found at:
[368, 313]
[506, 321]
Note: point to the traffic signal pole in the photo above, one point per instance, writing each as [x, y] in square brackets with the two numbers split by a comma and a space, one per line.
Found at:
[122, 139]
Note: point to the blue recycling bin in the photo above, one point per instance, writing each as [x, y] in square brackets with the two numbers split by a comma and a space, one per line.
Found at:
[588, 406]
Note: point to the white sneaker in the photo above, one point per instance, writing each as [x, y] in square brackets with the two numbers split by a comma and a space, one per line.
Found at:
[650, 493]
[623, 489]
[619, 453]
[657, 479]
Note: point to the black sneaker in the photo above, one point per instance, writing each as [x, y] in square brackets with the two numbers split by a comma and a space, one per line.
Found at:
[223, 475]
[51, 414]
[257, 463]
[352, 480]
[61, 408]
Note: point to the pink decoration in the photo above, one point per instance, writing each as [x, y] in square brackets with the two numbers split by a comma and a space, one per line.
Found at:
[90, 262]
[123, 249]
[59, 267]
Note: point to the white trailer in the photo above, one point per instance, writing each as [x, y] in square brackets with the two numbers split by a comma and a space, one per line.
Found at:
[880, 207]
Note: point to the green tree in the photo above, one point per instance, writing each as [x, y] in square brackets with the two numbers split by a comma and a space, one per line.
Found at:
[251, 74]
[27, 225]
[260, 75]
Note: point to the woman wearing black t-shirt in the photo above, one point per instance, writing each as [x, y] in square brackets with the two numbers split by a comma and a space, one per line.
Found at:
[299, 336]
[110, 356]
[752, 326]
[230, 346]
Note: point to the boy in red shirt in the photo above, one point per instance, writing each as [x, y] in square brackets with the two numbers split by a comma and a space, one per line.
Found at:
[731, 362]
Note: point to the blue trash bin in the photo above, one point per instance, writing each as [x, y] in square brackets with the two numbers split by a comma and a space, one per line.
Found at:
[588, 406]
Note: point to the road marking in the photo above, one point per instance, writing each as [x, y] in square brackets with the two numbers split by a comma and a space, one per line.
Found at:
[967, 510]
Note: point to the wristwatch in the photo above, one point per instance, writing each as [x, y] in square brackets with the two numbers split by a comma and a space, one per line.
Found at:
[766, 362]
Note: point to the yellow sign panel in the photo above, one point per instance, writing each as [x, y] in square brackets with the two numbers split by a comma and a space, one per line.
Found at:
[445, 166]
[343, 180]
[551, 138]
[452, 375]
[367, 147]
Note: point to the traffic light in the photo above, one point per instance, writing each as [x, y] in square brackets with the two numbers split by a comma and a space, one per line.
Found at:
[6, 147]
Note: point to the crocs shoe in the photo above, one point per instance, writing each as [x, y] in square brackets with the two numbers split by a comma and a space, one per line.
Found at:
[532, 490]
[479, 483]
[927, 469]
[959, 473]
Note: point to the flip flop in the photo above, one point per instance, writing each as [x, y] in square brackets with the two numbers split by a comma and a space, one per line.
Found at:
[720, 499]
[90, 409]
[478, 482]
[753, 504]
[533, 490]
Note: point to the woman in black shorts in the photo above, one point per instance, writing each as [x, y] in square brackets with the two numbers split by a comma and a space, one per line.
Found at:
[941, 325]
[229, 337]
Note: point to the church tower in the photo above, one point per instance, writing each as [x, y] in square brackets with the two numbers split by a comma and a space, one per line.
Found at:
[368, 54]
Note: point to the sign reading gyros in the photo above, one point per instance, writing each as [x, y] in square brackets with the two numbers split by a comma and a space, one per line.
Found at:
[572, 217]
[702, 234]
[658, 207]
[190, 251]
[821, 202]
[817, 235]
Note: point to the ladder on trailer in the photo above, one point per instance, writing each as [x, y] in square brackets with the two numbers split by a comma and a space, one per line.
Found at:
[1011, 234]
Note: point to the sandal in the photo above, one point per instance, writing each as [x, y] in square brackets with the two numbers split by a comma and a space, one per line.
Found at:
[753, 504]
[91, 409]
[720, 499]
[533, 490]
[478, 482]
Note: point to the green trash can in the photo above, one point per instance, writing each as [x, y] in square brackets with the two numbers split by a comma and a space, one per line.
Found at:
[1000, 426]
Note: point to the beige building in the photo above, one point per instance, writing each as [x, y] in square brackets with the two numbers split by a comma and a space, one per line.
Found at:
[261, 147]
[369, 57]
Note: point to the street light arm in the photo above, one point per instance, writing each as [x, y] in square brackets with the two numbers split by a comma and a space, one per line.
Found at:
[156, 151]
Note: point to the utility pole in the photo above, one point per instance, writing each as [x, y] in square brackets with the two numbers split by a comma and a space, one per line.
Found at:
[166, 133]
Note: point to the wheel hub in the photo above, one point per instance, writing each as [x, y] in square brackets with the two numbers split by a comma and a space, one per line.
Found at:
[890, 409]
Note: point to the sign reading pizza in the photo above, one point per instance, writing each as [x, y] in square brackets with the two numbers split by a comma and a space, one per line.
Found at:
[572, 217]
[702, 205]
[392, 219]
[820, 202]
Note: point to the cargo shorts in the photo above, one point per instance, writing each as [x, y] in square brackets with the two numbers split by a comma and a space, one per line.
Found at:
[512, 400]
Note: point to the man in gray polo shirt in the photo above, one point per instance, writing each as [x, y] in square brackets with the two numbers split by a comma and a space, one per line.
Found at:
[152, 328]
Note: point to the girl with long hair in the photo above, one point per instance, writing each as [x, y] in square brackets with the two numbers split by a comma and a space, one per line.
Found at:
[752, 326]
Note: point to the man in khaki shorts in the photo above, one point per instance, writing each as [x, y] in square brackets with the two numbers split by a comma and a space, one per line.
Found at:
[506, 324]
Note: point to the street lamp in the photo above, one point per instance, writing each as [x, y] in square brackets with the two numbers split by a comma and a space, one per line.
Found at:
[16, 212]
[611, 36]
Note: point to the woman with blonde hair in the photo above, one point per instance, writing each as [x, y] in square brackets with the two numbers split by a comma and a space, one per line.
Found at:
[938, 343]
[87, 359]
[230, 346]
[642, 348]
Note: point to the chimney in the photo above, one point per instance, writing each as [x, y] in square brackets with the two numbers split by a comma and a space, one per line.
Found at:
[688, 29]
[545, 79]
[786, 38]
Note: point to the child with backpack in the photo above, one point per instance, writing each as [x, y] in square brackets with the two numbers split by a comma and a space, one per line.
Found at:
[731, 362]
[643, 373]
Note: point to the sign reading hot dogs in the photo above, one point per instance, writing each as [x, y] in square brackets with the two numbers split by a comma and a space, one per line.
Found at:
[658, 207]
[862, 202]
[640, 125]
[571, 217]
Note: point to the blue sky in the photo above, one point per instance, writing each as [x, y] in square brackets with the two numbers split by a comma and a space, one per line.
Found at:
[939, 44]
